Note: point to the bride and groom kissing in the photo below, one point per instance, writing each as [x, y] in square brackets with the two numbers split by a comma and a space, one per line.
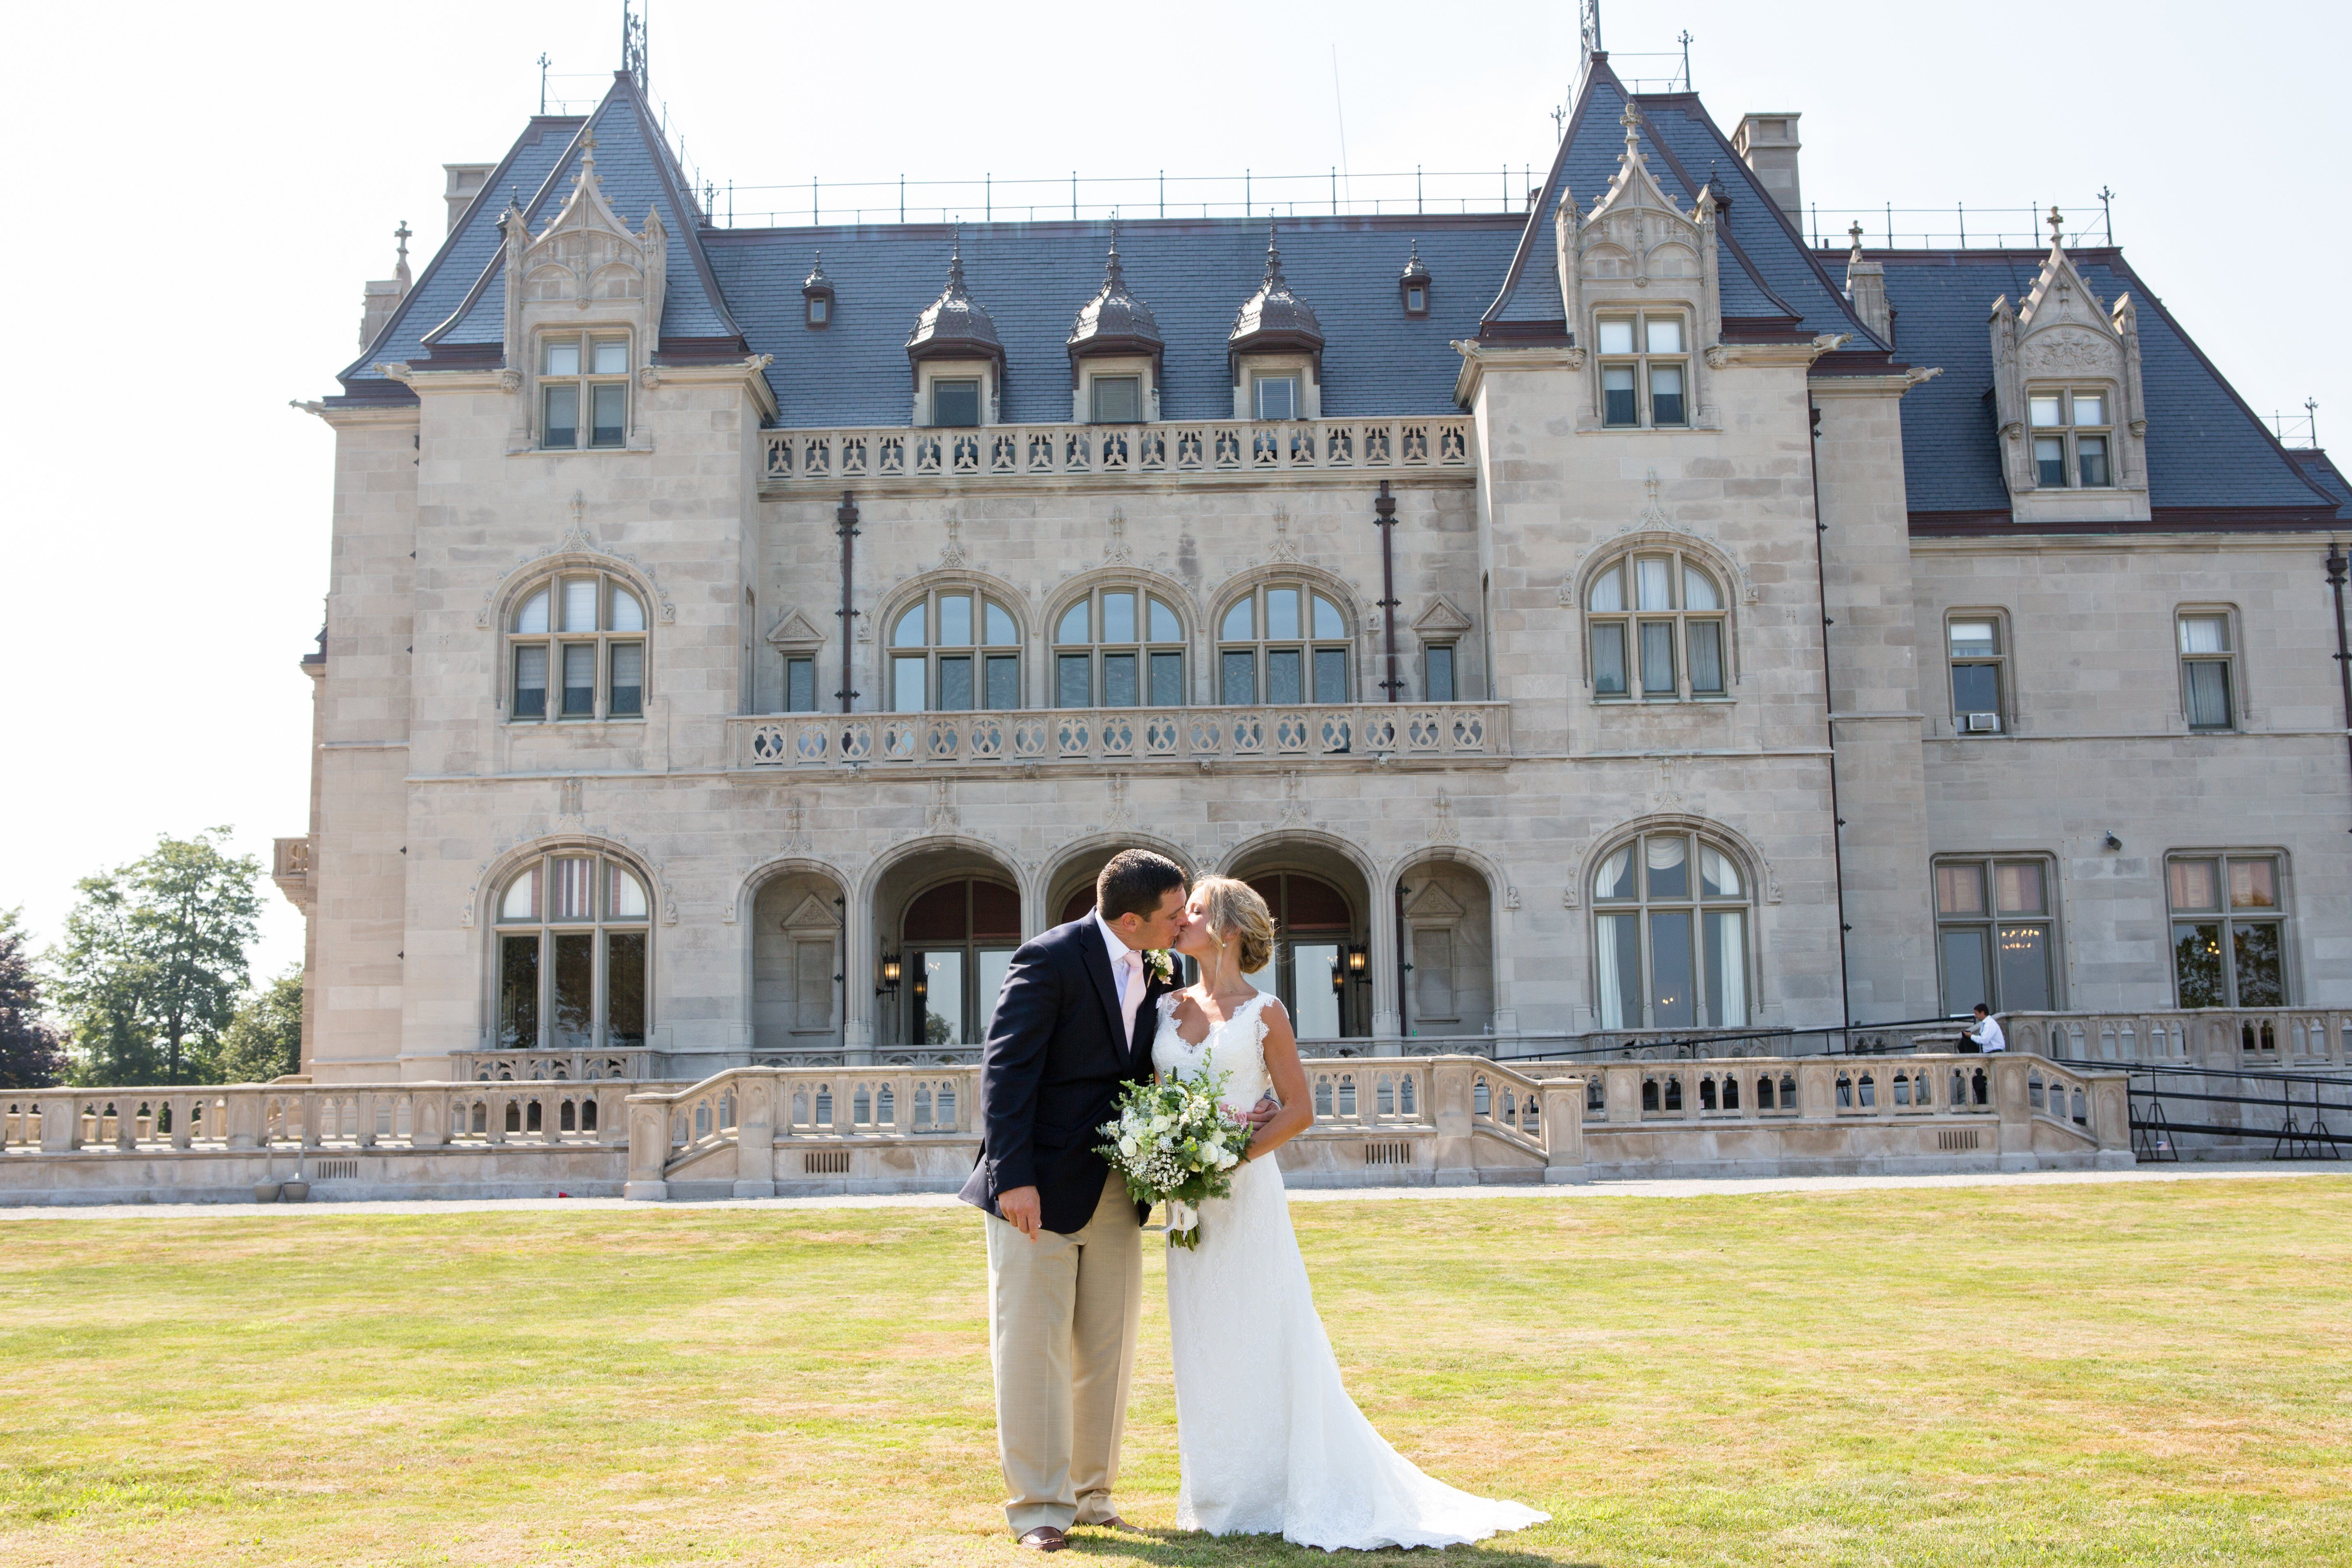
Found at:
[1267, 1439]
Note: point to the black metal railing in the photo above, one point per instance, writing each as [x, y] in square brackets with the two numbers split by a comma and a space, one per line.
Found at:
[2294, 1111]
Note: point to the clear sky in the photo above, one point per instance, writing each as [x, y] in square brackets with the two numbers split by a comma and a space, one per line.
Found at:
[200, 191]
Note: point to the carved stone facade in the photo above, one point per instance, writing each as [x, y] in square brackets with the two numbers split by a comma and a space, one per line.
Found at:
[1726, 816]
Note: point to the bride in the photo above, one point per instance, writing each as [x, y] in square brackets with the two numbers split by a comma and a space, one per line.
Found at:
[1267, 1434]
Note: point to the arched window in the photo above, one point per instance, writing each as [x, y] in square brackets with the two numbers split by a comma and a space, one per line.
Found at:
[1282, 642]
[959, 938]
[1656, 627]
[954, 650]
[587, 630]
[1670, 934]
[571, 933]
[1119, 647]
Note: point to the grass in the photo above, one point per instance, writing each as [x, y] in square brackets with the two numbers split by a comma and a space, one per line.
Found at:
[2103, 1374]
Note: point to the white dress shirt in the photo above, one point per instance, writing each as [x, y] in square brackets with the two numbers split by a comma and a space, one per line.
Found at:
[1126, 968]
[1988, 1037]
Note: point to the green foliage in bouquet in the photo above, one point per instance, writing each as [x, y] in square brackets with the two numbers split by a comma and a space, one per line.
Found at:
[1176, 1143]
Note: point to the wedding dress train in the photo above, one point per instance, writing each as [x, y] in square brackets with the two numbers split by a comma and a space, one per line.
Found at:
[1267, 1434]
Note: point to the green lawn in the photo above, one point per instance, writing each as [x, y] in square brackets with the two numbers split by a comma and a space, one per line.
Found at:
[2114, 1374]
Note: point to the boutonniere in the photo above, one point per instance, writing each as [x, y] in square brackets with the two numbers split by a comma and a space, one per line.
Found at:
[1158, 965]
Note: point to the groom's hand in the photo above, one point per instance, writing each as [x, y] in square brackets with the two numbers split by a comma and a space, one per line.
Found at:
[1018, 1206]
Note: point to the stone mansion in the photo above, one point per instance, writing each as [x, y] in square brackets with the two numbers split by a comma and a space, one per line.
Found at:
[1617, 616]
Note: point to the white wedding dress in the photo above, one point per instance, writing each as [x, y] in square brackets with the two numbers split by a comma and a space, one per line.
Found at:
[1267, 1434]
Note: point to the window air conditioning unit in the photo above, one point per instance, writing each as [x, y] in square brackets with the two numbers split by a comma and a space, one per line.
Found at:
[1982, 722]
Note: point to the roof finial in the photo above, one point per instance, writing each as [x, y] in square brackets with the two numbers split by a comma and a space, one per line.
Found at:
[1631, 120]
[2057, 225]
[955, 266]
[1112, 275]
[401, 269]
[1272, 256]
[1855, 233]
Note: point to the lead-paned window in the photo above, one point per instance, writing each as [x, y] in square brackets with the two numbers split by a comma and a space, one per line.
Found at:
[1670, 934]
[2073, 437]
[1656, 629]
[1120, 646]
[2208, 669]
[576, 650]
[1996, 934]
[1282, 642]
[2229, 930]
[583, 390]
[1644, 369]
[955, 402]
[572, 934]
[952, 651]
[1116, 400]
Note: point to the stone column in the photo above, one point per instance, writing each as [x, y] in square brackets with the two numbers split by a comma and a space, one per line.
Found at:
[648, 1147]
[1388, 1012]
[756, 1090]
[60, 1124]
[1449, 1097]
[428, 1118]
[2016, 1115]
[1563, 1128]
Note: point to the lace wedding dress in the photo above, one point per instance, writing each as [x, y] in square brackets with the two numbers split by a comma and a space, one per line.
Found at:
[1267, 1434]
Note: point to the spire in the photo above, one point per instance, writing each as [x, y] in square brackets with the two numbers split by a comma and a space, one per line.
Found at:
[1275, 318]
[953, 326]
[2057, 228]
[1273, 259]
[1631, 120]
[816, 277]
[1415, 270]
[400, 269]
[1855, 234]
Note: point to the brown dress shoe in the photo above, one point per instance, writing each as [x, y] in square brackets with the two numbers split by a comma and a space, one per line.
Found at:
[1045, 1538]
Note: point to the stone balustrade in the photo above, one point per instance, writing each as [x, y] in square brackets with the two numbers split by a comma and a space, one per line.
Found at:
[1379, 733]
[551, 1066]
[752, 1132]
[1184, 451]
[2297, 1039]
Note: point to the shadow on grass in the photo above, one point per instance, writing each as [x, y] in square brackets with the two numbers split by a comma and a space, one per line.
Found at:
[1188, 1546]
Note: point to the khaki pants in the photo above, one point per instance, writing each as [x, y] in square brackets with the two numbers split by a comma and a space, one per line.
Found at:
[1062, 1312]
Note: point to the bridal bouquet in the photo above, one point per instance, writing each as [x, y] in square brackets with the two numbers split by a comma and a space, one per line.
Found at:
[1176, 1141]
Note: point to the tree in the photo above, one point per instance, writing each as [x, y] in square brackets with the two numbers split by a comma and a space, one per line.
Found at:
[154, 960]
[31, 1056]
[265, 1037]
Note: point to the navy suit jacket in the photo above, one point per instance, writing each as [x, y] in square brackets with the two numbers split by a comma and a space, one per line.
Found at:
[1051, 1071]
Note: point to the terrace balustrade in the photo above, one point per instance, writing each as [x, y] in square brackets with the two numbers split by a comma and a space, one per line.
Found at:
[1182, 451]
[1452, 733]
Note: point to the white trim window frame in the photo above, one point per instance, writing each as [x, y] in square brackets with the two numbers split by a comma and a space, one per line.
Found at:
[1283, 642]
[577, 650]
[1658, 628]
[572, 934]
[1119, 645]
[1643, 363]
[1672, 926]
[2207, 637]
[583, 390]
[954, 650]
[1976, 649]
[2074, 435]
[2227, 928]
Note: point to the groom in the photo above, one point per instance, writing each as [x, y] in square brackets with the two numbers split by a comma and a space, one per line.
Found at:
[1074, 1022]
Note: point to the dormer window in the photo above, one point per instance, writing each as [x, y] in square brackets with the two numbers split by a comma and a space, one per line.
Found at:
[1416, 300]
[583, 372]
[955, 403]
[1413, 284]
[2071, 436]
[1275, 396]
[1643, 363]
[816, 296]
[1118, 400]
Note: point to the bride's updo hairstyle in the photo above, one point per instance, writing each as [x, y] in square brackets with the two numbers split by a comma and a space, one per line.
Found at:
[1237, 915]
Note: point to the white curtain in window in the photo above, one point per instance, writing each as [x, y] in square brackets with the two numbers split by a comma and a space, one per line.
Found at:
[2204, 634]
[1698, 591]
[1665, 854]
[1609, 590]
[1729, 929]
[1717, 876]
[1612, 996]
[1614, 881]
[1652, 586]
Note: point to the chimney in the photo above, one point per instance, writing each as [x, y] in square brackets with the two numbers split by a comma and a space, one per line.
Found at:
[1865, 289]
[1767, 144]
[465, 182]
[381, 297]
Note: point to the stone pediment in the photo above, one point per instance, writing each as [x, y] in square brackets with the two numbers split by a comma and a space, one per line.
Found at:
[812, 915]
[1440, 619]
[1433, 904]
[795, 631]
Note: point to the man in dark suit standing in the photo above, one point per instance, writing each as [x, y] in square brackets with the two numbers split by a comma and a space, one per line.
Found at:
[1073, 1021]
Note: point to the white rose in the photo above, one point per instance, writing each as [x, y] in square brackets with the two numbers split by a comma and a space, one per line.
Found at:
[1127, 1146]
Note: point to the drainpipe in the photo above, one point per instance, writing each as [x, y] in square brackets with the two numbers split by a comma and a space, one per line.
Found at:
[1828, 706]
[2336, 564]
[1384, 509]
[845, 525]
